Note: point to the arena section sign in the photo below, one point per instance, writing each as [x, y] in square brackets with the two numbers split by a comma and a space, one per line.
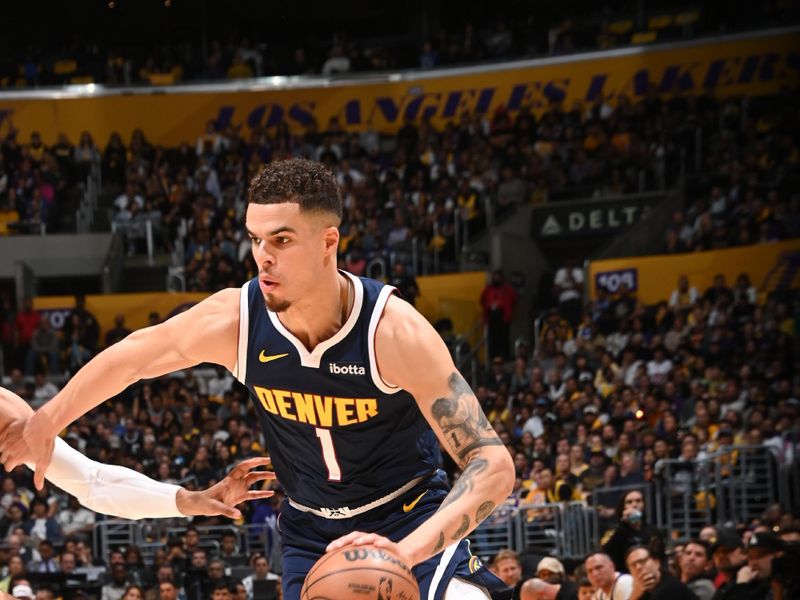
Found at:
[747, 64]
[771, 267]
[591, 217]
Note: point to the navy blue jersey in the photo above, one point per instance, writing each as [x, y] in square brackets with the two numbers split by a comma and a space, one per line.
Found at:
[338, 435]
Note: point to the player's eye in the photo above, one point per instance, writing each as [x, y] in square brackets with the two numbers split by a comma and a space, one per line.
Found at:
[255, 240]
[282, 240]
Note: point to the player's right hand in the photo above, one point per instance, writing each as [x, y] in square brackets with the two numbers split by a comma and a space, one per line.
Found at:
[28, 441]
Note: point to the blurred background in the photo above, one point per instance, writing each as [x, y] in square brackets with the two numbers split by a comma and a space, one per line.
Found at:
[597, 204]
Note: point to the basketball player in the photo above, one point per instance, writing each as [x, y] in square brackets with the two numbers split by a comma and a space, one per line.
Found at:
[125, 493]
[354, 390]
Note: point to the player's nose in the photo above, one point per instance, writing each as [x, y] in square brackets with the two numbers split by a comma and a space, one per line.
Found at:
[262, 256]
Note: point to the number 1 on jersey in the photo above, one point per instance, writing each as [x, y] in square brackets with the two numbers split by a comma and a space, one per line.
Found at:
[329, 454]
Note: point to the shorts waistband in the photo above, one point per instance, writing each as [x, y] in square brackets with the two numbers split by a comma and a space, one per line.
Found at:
[346, 512]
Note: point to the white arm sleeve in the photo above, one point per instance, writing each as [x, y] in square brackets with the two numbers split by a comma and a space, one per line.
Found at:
[110, 489]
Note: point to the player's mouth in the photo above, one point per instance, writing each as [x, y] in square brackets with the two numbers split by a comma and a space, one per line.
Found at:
[267, 284]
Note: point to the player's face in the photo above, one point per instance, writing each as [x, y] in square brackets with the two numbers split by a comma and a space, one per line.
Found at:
[292, 249]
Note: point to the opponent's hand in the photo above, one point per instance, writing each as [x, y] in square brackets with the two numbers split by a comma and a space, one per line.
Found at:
[222, 498]
[30, 440]
[359, 538]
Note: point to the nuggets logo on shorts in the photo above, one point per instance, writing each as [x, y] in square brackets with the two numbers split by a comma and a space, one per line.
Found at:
[475, 563]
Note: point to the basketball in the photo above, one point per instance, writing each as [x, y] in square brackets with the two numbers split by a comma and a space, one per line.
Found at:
[364, 572]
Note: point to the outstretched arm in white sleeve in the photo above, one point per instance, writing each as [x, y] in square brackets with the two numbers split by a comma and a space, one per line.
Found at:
[125, 493]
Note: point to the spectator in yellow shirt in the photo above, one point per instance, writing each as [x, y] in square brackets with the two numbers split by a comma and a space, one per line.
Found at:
[8, 216]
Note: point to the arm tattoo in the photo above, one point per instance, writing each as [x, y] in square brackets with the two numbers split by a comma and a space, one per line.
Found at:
[465, 483]
[462, 529]
[440, 543]
[484, 510]
[462, 421]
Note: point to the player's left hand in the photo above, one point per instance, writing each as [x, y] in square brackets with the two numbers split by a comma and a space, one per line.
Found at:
[222, 498]
[359, 538]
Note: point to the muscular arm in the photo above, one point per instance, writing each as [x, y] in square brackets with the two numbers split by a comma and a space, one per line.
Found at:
[411, 355]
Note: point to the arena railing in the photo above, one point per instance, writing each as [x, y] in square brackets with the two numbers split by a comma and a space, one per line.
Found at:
[789, 485]
[734, 484]
[115, 533]
[151, 535]
[563, 529]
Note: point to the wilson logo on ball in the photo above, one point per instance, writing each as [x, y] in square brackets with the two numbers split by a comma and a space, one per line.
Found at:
[365, 553]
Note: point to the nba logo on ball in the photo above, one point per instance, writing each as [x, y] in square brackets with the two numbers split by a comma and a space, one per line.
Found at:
[365, 572]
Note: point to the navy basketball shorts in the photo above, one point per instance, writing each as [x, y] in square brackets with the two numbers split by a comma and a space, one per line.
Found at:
[305, 537]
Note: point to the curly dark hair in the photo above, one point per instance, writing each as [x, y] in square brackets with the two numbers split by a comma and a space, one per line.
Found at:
[298, 180]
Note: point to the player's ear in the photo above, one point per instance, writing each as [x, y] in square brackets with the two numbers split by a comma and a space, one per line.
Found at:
[331, 240]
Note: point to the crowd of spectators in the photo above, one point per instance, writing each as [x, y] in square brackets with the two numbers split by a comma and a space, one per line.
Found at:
[613, 393]
[432, 188]
[421, 184]
[454, 37]
[608, 393]
[595, 406]
[34, 181]
[746, 189]
[720, 564]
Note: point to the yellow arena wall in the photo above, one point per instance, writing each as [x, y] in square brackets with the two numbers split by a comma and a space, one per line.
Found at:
[770, 266]
[455, 296]
[747, 64]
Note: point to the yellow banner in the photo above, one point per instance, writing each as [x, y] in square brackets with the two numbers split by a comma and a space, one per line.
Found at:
[749, 64]
[136, 308]
[455, 296]
[770, 267]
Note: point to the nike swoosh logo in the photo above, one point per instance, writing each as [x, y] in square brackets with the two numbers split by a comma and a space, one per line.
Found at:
[410, 506]
[265, 359]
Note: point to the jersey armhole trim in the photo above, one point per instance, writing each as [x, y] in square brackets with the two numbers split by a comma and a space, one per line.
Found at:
[240, 370]
[377, 313]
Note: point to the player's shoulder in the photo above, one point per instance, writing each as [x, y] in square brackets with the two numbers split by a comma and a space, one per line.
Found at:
[400, 319]
[226, 296]
[221, 307]
[404, 334]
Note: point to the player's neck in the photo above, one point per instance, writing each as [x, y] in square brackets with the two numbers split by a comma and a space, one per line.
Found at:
[323, 314]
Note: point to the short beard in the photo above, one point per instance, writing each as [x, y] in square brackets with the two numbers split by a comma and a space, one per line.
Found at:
[276, 305]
